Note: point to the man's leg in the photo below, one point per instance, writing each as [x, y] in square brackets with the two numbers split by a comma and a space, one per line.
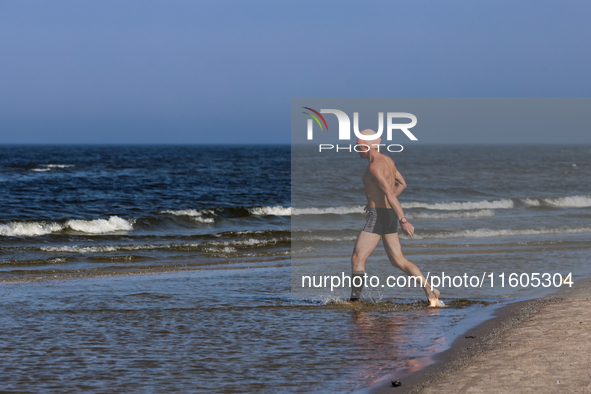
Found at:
[366, 243]
[394, 252]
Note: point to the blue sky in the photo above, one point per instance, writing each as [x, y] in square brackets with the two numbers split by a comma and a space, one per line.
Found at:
[225, 71]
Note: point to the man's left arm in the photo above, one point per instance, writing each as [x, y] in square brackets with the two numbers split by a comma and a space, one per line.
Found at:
[399, 184]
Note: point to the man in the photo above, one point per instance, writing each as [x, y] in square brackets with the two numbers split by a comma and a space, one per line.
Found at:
[382, 184]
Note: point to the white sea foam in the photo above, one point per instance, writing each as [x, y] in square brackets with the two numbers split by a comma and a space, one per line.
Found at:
[102, 249]
[59, 165]
[196, 215]
[79, 249]
[27, 229]
[48, 167]
[210, 247]
[532, 202]
[486, 233]
[485, 207]
[225, 249]
[308, 249]
[332, 210]
[483, 213]
[98, 226]
[267, 211]
[288, 211]
[54, 260]
[246, 242]
[570, 202]
[253, 242]
[323, 238]
[560, 202]
[457, 206]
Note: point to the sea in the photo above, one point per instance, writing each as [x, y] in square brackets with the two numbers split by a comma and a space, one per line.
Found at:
[175, 268]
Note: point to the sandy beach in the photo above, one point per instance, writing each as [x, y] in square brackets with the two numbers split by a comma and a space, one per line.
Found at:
[540, 345]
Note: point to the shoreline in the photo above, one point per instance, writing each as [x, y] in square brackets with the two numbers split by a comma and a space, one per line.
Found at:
[487, 336]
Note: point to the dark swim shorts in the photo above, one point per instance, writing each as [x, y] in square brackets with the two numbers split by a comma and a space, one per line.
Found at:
[381, 221]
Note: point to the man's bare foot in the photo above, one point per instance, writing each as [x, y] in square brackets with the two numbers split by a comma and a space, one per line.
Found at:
[432, 297]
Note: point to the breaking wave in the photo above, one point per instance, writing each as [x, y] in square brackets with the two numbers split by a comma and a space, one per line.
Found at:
[267, 211]
[333, 210]
[128, 248]
[479, 208]
[97, 226]
[326, 238]
[484, 213]
[49, 167]
[560, 202]
[209, 247]
[457, 206]
[51, 261]
[262, 211]
[487, 233]
[485, 210]
[194, 214]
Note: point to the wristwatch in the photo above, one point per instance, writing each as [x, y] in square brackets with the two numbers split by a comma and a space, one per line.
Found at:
[403, 220]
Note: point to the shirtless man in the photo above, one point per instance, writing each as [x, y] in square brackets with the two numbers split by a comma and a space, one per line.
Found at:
[382, 185]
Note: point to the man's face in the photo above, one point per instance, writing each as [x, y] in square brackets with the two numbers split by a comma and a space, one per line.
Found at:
[363, 154]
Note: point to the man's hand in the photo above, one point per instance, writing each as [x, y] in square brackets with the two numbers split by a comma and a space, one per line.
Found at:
[408, 229]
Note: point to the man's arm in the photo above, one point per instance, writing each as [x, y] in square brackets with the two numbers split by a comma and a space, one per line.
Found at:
[378, 170]
[400, 184]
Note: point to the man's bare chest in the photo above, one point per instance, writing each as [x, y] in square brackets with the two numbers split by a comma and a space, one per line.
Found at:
[368, 179]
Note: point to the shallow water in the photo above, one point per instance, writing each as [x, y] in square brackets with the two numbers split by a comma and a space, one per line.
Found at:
[223, 331]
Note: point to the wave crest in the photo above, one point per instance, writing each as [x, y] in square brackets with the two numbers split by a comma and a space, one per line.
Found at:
[336, 210]
[193, 214]
[48, 167]
[487, 233]
[97, 226]
[270, 211]
[100, 226]
[484, 213]
[209, 246]
[560, 202]
[28, 229]
[458, 206]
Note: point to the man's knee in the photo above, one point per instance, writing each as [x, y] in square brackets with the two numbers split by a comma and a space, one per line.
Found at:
[396, 256]
[357, 259]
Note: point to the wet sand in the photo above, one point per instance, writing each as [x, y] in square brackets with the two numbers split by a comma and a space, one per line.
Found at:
[541, 345]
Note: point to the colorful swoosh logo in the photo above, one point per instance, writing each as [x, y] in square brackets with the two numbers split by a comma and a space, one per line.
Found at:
[315, 118]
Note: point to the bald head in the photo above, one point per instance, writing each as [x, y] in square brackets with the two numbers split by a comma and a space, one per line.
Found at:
[368, 142]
